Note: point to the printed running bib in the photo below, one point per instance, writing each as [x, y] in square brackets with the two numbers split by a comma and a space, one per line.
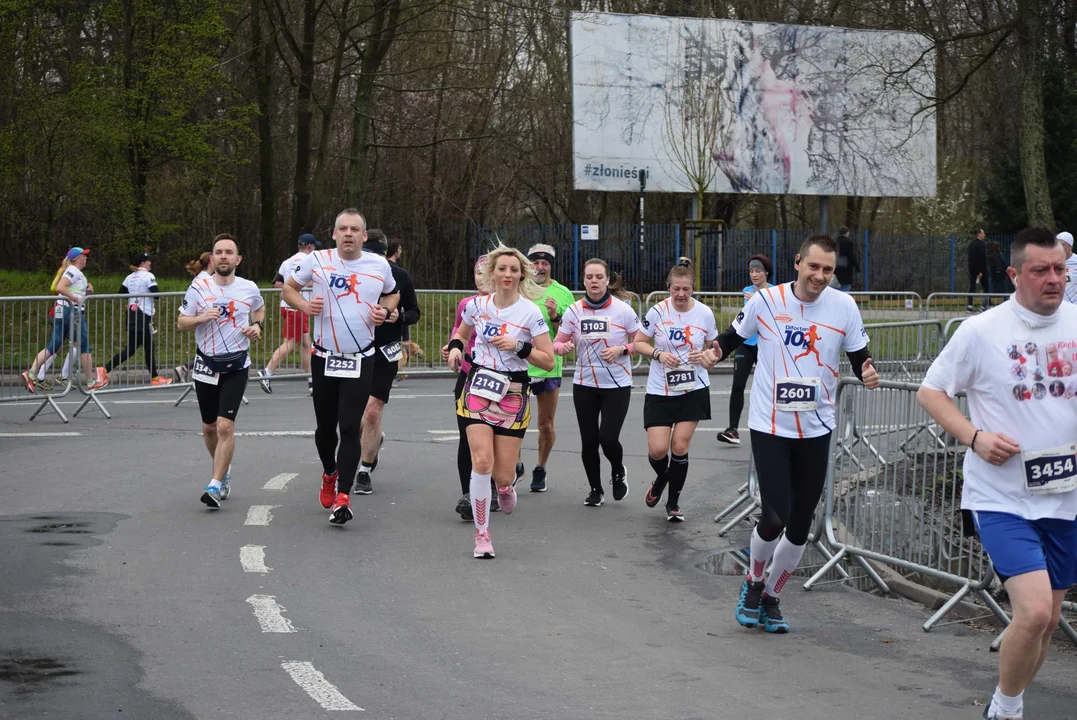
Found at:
[393, 352]
[682, 379]
[595, 328]
[796, 394]
[489, 385]
[343, 366]
[1051, 471]
[202, 373]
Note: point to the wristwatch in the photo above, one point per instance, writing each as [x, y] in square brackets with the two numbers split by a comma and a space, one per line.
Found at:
[261, 325]
[519, 345]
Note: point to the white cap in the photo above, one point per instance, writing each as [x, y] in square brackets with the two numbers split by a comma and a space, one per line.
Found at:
[1065, 237]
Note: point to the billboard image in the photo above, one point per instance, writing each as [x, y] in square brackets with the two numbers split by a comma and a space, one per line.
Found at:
[750, 107]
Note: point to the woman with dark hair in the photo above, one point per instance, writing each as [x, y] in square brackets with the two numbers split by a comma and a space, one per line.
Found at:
[759, 270]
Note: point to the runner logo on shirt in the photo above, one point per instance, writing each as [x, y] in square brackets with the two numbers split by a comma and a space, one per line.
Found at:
[227, 312]
[492, 330]
[348, 283]
[680, 337]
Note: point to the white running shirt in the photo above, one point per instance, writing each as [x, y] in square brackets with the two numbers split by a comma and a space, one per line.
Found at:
[138, 282]
[203, 275]
[225, 335]
[1071, 279]
[617, 321]
[77, 288]
[678, 333]
[349, 289]
[798, 340]
[1017, 369]
[520, 321]
[287, 268]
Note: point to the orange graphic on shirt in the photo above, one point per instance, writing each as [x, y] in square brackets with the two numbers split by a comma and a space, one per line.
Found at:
[353, 284]
[812, 337]
[229, 314]
[687, 337]
[503, 330]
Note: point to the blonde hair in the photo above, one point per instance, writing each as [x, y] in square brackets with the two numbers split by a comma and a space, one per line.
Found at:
[683, 269]
[59, 274]
[528, 287]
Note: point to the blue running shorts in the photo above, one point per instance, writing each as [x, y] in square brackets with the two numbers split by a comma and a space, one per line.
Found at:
[1018, 546]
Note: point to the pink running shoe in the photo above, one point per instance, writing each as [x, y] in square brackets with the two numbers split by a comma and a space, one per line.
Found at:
[506, 498]
[483, 547]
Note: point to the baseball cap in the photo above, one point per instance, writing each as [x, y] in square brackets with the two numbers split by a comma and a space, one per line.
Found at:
[140, 258]
[1065, 237]
[308, 239]
[76, 251]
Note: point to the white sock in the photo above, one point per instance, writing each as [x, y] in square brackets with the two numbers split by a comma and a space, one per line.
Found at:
[65, 372]
[215, 483]
[786, 558]
[1005, 705]
[228, 472]
[363, 467]
[45, 367]
[480, 500]
[267, 372]
[761, 553]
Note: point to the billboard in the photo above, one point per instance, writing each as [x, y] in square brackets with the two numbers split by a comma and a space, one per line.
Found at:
[750, 107]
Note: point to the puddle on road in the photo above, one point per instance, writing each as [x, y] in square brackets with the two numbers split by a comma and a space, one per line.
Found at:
[64, 528]
[30, 675]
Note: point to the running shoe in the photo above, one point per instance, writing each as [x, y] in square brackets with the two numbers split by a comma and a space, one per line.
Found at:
[463, 507]
[619, 483]
[594, 499]
[310, 387]
[28, 382]
[263, 380]
[729, 435]
[771, 615]
[226, 485]
[181, 373]
[45, 384]
[362, 484]
[101, 382]
[506, 498]
[329, 490]
[674, 514]
[342, 510]
[538, 479]
[654, 493]
[495, 506]
[159, 381]
[520, 472]
[374, 465]
[212, 497]
[751, 597]
[483, 547]
[998, 716]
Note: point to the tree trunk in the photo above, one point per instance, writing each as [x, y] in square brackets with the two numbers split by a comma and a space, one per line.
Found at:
[1030, 40]
[321, 167]
[304, 117]
[261, 61]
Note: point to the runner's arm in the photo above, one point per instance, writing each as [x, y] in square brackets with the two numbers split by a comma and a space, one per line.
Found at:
[940, 407]
[857, 358]
[290, 293]
[409, 301]
[62, 289]
[728, 341]
[541, 355]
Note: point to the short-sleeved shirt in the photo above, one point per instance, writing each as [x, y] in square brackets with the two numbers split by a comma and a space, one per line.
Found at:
[678, 333]
[224, 336]
[1017, 369]
[349, 290]
[798, 340]
[1071, 278]
[77, 288]
[617, 323]
[564, 298]
[288, 267]
[139, 282]
[520, 321]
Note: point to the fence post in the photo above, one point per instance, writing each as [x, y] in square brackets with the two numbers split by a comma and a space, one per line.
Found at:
[774, 254]
[953, 260]
[867, 274]
[576, 254]
[677, 241]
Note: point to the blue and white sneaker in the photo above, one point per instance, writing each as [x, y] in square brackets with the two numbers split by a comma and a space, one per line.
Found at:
[751, 597]
[771, 615]
[212, 497]
[226, 488]
[998, 716]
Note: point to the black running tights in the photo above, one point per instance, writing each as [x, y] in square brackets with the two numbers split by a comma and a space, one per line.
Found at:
[742, 368]
[463, 449]
[600, 413]
[139, 333]
[791, 474]
[340, 402]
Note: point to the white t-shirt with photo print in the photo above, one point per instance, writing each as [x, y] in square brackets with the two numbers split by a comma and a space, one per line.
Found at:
[1019, 372]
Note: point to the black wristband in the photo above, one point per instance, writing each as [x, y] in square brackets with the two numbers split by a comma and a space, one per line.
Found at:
[261, 325]
[524, 351]
[654, 355]
[972, 445]
[556, 319]
[456, 344]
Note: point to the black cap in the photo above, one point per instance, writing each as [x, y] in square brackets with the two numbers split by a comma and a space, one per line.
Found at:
[308, 239]
[140, 258]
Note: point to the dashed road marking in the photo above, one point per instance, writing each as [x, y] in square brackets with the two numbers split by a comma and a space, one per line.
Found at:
[321, 690]
[39, 434]
[259, 514]
[268, 614]
[278, 482]
[276, 433]
[253, 558]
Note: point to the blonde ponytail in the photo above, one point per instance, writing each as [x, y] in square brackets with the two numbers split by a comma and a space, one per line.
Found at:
[59, 274]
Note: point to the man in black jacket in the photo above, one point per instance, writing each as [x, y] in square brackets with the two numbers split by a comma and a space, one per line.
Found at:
[848, 265]
[977, 262]
[387, 339]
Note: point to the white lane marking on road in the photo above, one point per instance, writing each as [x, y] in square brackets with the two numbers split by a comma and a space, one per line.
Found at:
[40, 434]
[444, 432]
[253, 558]
[259, 514]
[321, 690]
[276, 433]
[278, 482]
[268, 614]
[447, 438]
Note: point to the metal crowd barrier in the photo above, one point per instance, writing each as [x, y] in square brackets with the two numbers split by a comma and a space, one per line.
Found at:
[898, 503]
[26, 328]
[950, 305]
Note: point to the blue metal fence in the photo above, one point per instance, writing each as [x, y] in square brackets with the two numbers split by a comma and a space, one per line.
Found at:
[920, 263]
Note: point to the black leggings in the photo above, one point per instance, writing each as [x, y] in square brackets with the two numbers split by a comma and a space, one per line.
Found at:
[463, 449]
[600, 413]
[742, 368]
[138, 333]
[791, 474]
[340, 401]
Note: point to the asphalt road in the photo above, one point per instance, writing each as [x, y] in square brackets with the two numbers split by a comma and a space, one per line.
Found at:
[122, 596]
